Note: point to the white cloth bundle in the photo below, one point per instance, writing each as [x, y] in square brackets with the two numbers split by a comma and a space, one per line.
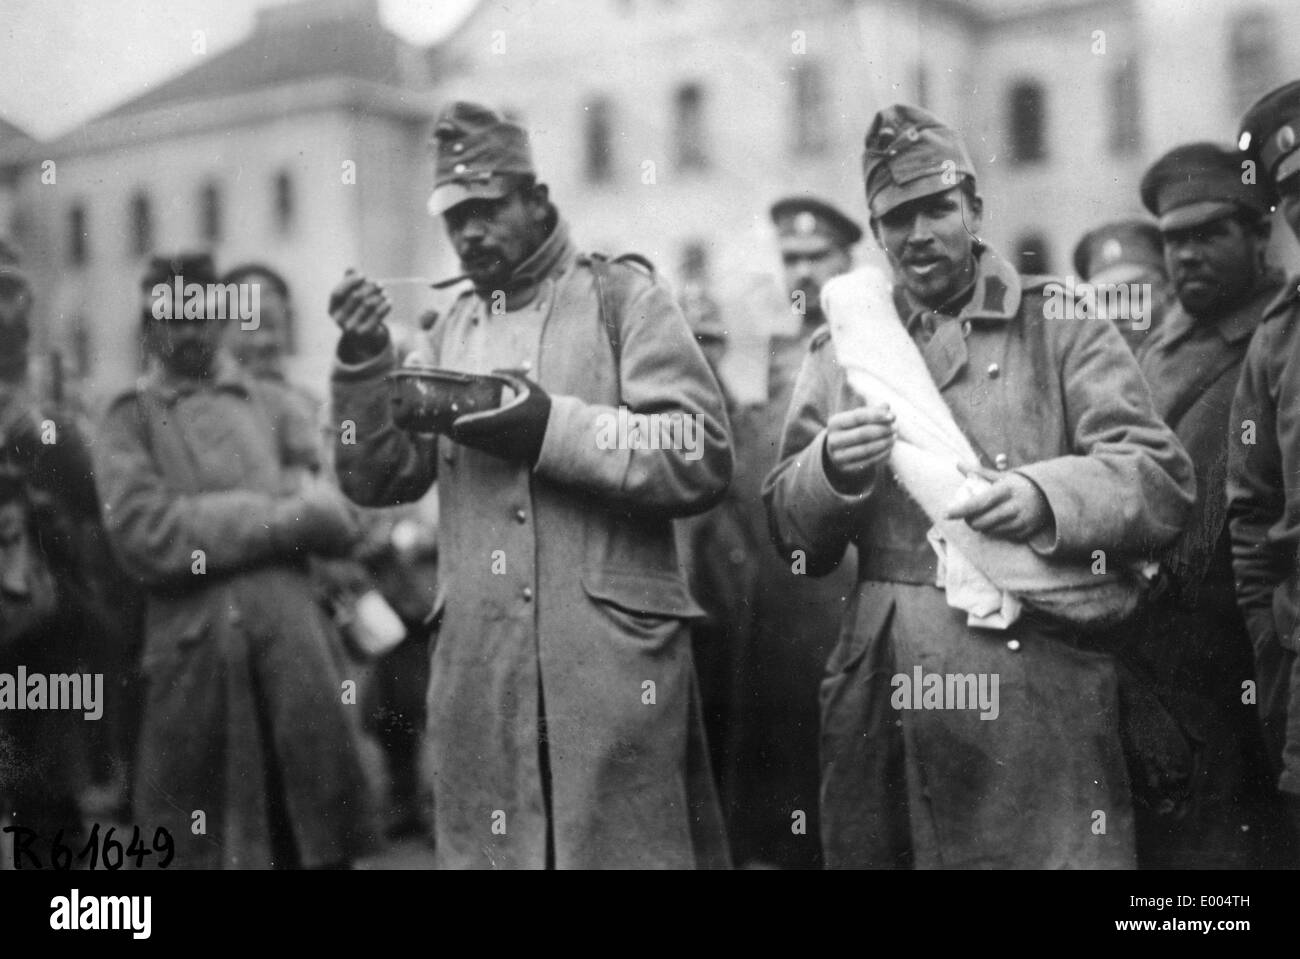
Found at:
[985, 576]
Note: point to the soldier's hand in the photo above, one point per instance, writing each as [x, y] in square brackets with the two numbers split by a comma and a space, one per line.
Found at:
[856, 440]
[318, 519]
[1013, 507]
[359, 307]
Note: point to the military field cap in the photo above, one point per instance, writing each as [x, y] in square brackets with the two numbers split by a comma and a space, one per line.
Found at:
[911, 153]
[477, 155]
[1196, 183]
[1120, 252]
[1270, 133]
[805, 221]
[193, 267]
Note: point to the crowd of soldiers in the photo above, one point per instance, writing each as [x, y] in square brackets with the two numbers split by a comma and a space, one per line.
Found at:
[634, 654]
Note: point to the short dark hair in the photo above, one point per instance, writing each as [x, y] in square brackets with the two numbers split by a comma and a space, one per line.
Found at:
[194, 267]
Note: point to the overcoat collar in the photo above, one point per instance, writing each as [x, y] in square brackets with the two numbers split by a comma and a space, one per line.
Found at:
[996, 299]
[228, 376]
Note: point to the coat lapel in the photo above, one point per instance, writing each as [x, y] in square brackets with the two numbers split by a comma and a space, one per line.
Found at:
[945, 354]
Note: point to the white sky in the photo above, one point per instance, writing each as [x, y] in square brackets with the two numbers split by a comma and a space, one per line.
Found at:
[63, 61]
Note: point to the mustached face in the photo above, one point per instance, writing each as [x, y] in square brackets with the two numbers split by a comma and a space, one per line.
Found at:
[185, 347]
[1212, 266]
[808, 267]
[493, 237]
[930, 243]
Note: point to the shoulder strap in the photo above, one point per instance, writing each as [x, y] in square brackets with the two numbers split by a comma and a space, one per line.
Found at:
[600, 270]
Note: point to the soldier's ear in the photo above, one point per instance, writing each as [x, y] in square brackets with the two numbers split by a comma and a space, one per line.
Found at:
[875, 231]
[1264, 228]
[539, 201]
[974, 210]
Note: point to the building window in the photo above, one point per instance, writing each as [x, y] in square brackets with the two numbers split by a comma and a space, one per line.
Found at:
[1032, 254]
[284, 205]
[1125, 110]
[809, 120]
[78, 240]
[210, 213]
[692, 153]
[1253, 55]
[82, 347]
[922, 78]
[141, 225]
[1028, 118]
[598, 138]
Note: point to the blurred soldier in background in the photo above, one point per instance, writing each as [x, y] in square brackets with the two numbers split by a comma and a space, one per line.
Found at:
[379, 579]
[208, 478]
[51, 617]
[261, 349]
[1126, 252]
[721, 553]
[793, 619]
[1196, 653]
[1264, 461]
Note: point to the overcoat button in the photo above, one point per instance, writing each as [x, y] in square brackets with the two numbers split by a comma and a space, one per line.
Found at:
[528, 594]
[1001, 461]
[1013, 645]
[521, 516]
[994, 371]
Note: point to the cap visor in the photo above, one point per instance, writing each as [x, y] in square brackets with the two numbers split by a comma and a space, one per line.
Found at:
[1195, 214]
[895, 195]
[1125, 273]
[806, 244]
[448, 195]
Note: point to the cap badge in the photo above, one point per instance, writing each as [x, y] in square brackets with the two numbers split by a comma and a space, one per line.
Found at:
[1111, 251]
[805, 223]
[1286, 138]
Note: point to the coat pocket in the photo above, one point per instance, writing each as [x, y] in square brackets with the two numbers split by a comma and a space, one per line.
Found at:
[646, 605]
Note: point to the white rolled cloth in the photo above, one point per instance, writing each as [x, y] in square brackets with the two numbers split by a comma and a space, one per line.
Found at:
[985, 576]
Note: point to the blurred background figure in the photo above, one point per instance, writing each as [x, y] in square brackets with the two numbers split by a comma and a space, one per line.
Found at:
[1195, 651]
[787, 621]
[212, 500]
[52, 615]
[1263, 493]
[721, 554]
[381, 598]
[1126, 252]
[261, 350]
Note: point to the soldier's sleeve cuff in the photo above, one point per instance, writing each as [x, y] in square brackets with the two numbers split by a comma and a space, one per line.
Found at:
[822, 490]
[563, 444]
[1065, 528]
[369, 368]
